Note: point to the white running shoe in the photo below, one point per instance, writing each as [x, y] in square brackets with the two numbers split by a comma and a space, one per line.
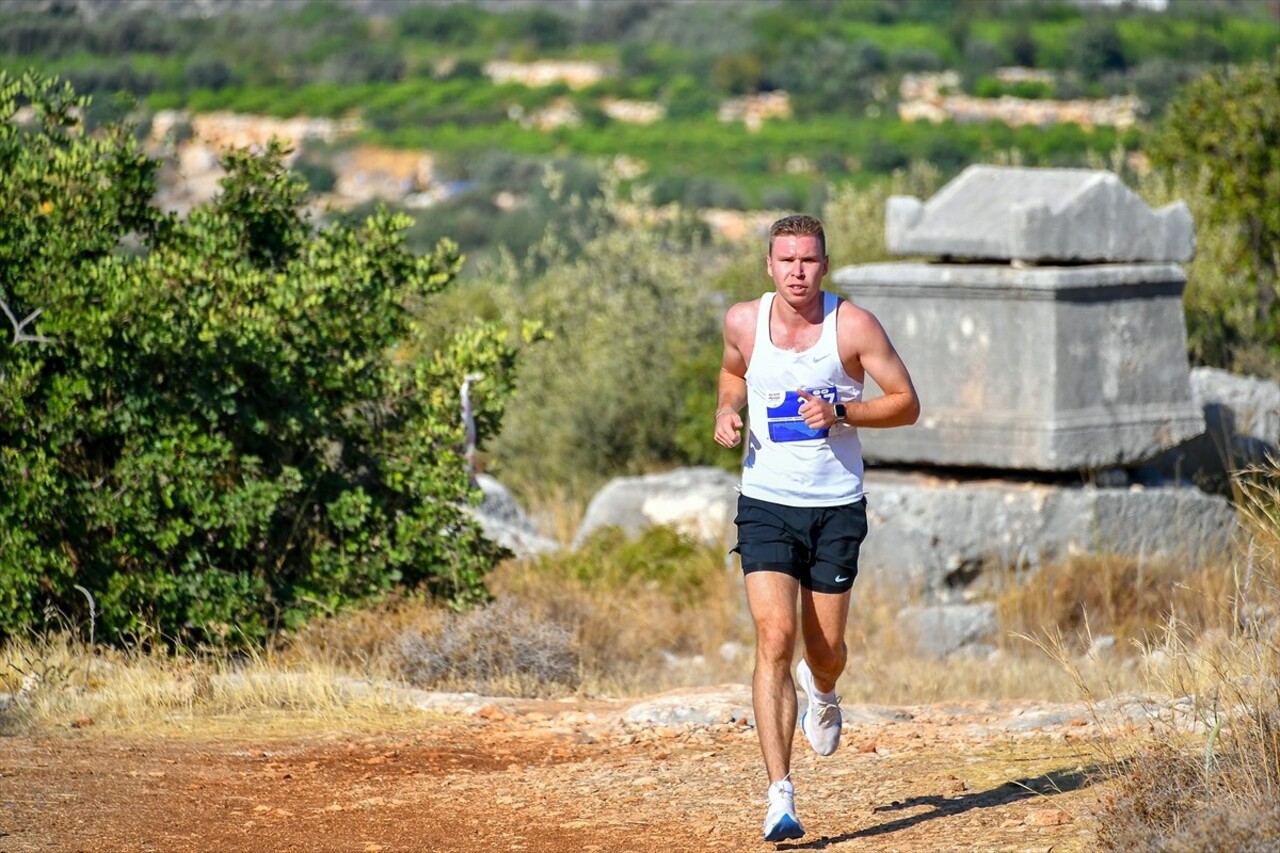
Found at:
[780, 822]
[821, 721]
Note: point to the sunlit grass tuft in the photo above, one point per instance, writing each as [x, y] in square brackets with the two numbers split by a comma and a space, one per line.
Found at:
[1204, 772]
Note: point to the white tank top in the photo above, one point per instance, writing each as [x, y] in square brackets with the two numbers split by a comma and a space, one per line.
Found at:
[786, 462]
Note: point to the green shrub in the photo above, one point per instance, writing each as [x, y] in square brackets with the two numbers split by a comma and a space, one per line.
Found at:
[221, 425]
[609, 391]
[1220, 143]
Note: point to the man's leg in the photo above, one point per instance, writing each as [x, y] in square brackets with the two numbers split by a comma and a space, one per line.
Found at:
[772, 599]
[823, 617]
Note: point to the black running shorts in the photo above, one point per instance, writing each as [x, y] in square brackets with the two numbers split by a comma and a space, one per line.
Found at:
[818, 545]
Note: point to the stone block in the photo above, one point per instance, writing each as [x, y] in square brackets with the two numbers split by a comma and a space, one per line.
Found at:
[1242, 430]
[1033, 368]
[941, 535]
[1039, 215]
[942, 630]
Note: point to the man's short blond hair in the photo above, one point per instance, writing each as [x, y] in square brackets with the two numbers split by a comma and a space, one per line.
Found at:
[798, 225]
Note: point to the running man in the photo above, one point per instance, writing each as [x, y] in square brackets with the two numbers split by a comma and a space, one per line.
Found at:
[797, 358]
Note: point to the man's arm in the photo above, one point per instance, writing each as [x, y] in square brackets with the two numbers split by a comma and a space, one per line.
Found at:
[732, 394]
[899, 405]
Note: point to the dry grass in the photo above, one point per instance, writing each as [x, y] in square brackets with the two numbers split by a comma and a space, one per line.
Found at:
[647, 615]
[885, 668]
[616, 619]
[1204, 775]
[631, 618]
[56, 683]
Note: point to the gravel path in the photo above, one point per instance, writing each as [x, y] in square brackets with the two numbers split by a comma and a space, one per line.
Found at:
[678, 772]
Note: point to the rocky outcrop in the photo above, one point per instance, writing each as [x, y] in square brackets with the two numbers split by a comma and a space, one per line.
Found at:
[936, 97]
[506, 523]
[943, 630]
[940, 534]
[1120, 112]
[700, 502]
[754, 110]
[1242, 429]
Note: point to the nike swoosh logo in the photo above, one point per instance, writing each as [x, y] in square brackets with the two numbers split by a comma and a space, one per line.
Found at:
[840, 579]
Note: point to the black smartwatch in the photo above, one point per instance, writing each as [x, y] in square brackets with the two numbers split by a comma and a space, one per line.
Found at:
[841, 411]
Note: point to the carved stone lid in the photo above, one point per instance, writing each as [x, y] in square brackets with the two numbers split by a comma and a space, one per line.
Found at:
[1039, 216]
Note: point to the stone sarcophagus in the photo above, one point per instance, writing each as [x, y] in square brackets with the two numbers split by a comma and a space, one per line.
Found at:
[1044, 342]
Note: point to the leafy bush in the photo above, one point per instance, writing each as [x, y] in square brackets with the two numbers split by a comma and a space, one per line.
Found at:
[829, 76]
[222, 425]
[449, 24]
[1220, 142]
[660, 556]
[608, 391]
[990, 87]
[1098, 49]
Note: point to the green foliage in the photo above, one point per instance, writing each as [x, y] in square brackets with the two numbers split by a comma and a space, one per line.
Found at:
[686, 97]
[830, 76]
[737, 74]
[659, 555]
[990, 87]
[1223, 135]
[853, 217]
[1099, 49]
[448, 24]
[473, 219]
[222, 425]
[417, 80]
[612, 387]
[721, 161]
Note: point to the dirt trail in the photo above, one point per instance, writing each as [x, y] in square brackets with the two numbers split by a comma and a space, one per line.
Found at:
[561, 778]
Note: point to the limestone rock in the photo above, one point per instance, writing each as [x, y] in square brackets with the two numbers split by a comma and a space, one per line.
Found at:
[941, 534]
[1038, 369]
[946, 629]
[1242, 428]
[701, 502]
[1039, 215]
[503, 521]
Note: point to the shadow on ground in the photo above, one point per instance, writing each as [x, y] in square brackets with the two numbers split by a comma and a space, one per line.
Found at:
[1045, 785]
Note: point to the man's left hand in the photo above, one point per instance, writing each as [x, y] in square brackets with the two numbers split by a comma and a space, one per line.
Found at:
[817, 412]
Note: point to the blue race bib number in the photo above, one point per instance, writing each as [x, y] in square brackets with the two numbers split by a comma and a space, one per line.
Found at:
[783, 415]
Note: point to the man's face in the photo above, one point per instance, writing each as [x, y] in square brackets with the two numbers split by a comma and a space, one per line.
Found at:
[797, 265]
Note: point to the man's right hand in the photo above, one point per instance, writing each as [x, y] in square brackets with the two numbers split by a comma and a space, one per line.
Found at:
[728, 428]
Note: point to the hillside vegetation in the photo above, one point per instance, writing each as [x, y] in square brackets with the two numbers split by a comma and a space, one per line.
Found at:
[416, 75]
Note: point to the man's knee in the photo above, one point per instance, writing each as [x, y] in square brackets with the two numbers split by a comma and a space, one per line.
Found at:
[826, 659]
[775, 642]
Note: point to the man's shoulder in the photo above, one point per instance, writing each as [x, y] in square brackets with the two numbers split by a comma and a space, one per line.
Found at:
[751, 305]
[742, 313]
[852, 315]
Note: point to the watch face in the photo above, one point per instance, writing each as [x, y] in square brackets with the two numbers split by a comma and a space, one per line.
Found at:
[840, 411]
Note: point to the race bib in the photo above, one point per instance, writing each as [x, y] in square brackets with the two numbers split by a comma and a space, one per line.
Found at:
[782, 411]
